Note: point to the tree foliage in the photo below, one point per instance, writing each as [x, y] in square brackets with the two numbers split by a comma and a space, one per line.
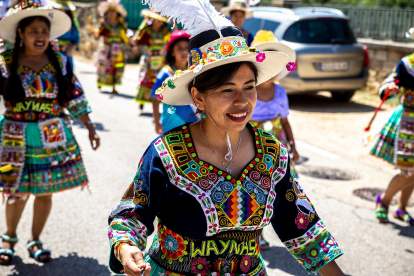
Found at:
[365, 3]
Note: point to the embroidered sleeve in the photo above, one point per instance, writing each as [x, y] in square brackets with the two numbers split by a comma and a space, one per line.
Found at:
[299, 227]
[78, 105]
[131, 221]
[394, 76]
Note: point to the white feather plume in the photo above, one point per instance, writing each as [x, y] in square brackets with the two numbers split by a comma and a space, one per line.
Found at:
[254, 2]
[190, 14]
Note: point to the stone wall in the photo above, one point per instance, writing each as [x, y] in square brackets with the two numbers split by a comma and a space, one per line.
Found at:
[87, 14]
[383, 55]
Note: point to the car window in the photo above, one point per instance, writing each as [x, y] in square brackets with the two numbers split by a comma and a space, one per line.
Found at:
[253, 25]
[320, 31]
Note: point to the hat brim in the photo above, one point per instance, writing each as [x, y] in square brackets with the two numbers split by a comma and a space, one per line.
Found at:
[59, 22]
[154, 15]
[278, 47]
[268, 68]
[227, 10]
[105, 6]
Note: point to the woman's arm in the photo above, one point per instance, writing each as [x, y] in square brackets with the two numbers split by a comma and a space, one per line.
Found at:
[331, 269]
[93, 137]
[133, 260]
[289, 135]
[156, 114]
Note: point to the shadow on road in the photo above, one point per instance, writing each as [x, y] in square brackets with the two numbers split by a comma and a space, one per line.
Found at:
[320, 103]
[280, 258]
[98, 126]
[146, 114]
[86, 73]
[118, 95]
[406, 231]
[61, 266]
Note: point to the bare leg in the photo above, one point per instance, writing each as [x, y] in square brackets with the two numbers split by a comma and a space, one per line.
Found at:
[114, 90]
[403, 201]
[398, 183]
[41, 210]
[405, 196]
[13, 214]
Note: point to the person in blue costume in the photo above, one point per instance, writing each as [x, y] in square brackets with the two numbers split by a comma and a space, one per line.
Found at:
[176, 57]
[68, 41]
[396, 142]
[215, 184]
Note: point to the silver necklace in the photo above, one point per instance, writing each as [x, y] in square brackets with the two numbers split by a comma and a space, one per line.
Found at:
[224, 164]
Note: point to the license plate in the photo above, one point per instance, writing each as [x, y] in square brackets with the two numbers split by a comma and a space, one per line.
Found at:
[334, 66]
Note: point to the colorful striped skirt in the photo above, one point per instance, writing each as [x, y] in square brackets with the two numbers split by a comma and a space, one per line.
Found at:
[45, 157]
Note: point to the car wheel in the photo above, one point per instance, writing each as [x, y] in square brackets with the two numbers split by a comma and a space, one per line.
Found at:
[342, 96]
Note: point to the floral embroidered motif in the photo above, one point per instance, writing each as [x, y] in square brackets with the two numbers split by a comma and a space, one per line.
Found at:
[172, 245]
[301, 221]
[246, 263]
[200, 266]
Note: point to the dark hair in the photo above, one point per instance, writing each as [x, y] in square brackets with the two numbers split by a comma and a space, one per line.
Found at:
[217, 77]
[233, 11]
[62, 83]
[170, 59]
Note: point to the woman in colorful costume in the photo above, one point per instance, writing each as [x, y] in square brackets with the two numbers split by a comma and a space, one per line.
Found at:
[68, 41]
[153, 36]
[272, 107]
[111, 55]
[238, 11]
[210, 220]
[176, 57]
[37, 85]
[396, 142]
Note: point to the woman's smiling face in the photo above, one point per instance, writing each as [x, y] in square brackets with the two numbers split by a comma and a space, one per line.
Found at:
[231, 105]
[36, 36]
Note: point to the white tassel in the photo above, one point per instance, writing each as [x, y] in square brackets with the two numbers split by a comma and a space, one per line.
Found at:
[229, 155]
[196, 16]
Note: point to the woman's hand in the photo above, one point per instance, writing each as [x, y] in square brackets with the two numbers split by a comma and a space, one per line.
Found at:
[93, 137]
[296, 156]
[394, 88]
[158, 128]
[133, 261]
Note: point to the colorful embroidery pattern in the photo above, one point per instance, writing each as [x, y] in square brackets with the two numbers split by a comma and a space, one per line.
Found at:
[314, 249]
[79, 106]
[127, 230]
[244, 204]
[12, 152]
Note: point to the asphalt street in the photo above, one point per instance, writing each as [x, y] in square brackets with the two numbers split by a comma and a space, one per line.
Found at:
[76, 229]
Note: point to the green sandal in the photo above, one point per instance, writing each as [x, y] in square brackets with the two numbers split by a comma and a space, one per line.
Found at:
[39, 252]
[381, 213]
[7, 252]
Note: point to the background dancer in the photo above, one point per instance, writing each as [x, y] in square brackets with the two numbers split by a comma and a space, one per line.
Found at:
[37, 84]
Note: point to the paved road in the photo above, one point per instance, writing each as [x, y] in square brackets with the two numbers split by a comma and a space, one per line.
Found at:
[76, 230]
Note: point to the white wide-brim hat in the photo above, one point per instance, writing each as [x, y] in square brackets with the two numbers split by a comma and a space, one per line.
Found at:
[60, 22]
[278, 47]
[410, 33]
[218, 52]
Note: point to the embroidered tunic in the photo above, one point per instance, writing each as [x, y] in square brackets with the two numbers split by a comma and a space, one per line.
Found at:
[396, 143]
[35, 135]
[209, 221]
[152, 60]
[111, 60]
